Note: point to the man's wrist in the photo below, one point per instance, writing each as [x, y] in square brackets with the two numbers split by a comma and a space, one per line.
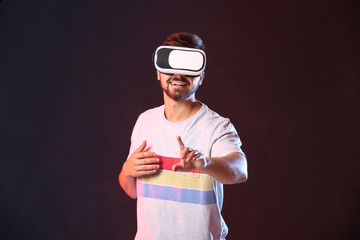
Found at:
[204, 165]
[125, 172]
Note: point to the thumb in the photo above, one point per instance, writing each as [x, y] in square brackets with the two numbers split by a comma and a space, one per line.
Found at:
[141, 147]
[176, 167]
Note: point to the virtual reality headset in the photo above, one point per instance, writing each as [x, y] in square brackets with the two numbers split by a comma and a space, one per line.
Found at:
[179, 60]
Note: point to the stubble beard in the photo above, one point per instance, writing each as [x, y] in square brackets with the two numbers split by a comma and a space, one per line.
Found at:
[178, 94]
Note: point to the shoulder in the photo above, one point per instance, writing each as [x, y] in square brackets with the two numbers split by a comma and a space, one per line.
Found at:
[152, 115]
[212, 116]
[223, 136]
[153, 112]
[217, 122]
[146, 118]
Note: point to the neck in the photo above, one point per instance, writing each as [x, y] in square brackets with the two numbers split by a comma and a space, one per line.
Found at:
[177, 111]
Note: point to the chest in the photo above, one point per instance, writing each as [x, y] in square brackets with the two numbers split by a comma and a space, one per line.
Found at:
[162, 138]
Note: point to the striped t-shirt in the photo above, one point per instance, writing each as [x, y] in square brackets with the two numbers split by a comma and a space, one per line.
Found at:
[181, 205]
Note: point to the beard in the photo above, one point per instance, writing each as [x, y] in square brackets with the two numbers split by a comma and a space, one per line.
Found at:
[179, 94]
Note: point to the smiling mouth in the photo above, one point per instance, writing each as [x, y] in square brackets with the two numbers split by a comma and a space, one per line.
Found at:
[178, 84]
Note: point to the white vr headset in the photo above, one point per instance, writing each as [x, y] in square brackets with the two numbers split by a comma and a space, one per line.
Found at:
[179, 60]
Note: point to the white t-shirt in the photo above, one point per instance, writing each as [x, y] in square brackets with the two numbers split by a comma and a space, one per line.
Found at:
[178, 205]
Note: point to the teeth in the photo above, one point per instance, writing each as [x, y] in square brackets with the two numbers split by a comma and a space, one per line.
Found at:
[179, 84]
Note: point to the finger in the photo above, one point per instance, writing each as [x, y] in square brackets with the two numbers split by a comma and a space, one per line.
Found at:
[190, 156]
[148, 172]
[182, 163]
[184, 153]
[142, 155]
[196, 156]
[176, 167]
[147, 167]
[141, 147]
[181, 144]
[148, 161]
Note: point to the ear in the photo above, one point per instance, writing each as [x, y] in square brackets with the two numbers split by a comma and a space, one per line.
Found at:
[158, 75]
[202, 76]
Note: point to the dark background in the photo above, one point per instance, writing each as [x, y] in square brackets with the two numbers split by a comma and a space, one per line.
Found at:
[75, 75]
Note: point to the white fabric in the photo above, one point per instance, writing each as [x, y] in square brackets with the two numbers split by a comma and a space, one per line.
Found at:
[210, 134]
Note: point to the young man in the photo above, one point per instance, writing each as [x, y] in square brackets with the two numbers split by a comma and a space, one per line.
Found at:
[181, 153]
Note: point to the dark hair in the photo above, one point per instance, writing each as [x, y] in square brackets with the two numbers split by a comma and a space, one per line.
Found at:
[185, 39]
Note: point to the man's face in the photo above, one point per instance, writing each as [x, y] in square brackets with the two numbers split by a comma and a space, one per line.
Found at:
[179, 87]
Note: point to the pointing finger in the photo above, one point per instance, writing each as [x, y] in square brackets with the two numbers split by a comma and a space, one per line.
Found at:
[181, 144]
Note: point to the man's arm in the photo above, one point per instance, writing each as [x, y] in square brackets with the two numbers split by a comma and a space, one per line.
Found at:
[229, 169]
[139, 163]
[128, 183]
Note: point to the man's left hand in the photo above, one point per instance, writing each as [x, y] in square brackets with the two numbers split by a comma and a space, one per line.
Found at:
[190, 159]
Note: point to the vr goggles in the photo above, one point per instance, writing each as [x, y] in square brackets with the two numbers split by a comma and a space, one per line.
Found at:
[179, 60]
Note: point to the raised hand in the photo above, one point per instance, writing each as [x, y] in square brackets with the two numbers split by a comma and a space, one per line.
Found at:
[141, 162]
[190, 159]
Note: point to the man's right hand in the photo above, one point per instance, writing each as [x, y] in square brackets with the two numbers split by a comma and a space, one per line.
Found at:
[141, 162]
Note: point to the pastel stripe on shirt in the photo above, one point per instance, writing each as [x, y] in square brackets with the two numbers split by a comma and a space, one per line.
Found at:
[189, 187]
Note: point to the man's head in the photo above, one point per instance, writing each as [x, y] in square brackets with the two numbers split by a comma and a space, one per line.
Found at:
[181, 53]
[185, 39]
[180, 86]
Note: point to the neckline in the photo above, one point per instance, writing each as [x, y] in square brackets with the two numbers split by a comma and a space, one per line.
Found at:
[203, 106]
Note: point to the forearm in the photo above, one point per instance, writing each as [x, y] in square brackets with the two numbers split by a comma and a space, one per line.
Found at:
[229, 169]
[128, 183]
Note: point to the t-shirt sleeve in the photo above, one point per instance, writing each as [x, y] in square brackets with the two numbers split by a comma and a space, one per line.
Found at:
[225, 140]
[134, 136]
